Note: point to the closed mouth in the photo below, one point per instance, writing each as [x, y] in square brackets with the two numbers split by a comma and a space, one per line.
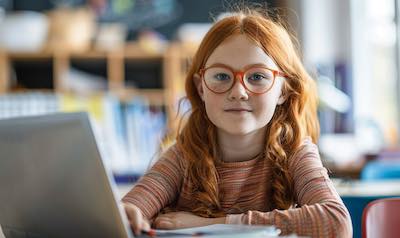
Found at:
[237, 110]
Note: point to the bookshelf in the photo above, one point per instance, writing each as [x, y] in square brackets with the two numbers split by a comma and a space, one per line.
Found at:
[120, 65]
[136, 106]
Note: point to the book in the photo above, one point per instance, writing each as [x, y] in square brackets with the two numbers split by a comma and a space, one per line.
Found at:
[128, 133]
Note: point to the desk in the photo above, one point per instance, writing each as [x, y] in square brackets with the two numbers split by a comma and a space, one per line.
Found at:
[357, 188]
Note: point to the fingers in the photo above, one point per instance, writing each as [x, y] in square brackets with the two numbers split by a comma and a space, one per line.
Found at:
[136, 220]
[145, 225]
[163, 223]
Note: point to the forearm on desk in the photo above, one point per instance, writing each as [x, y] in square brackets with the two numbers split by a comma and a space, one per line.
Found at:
[211, 221]
[327, 219]
[218, 220]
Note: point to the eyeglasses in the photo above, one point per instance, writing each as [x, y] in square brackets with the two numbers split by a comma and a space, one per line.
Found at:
[220, 78]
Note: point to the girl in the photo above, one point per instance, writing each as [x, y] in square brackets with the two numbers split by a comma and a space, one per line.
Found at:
[247, 154]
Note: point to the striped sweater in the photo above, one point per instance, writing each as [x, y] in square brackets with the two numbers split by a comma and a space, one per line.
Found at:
[245, 193]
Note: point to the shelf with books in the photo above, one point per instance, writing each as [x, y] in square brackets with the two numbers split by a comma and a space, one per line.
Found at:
[129, 133]
[120, 71]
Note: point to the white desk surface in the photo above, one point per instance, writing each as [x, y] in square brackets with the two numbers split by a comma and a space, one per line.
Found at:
[362, 188]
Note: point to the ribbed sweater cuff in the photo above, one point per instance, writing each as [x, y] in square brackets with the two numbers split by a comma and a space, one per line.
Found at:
[234, 219]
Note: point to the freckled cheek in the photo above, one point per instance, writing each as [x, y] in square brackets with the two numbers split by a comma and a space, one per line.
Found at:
[266, 118]
[264, 112]
[213, 112]
[213, 103]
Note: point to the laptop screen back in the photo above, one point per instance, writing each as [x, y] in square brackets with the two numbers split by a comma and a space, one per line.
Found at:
[53, 182]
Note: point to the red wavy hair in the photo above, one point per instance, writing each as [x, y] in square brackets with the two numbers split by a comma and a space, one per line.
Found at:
[292, 121]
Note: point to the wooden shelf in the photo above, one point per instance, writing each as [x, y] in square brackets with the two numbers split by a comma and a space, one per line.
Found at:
[155, 97]
[170, 60]
[88, 55]
[29, 55]
[134, 51]
[131, 51]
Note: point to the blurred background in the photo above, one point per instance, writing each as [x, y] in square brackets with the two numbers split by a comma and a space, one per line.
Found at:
[124, 61]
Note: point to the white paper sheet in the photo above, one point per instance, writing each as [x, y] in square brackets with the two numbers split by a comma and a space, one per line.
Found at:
[221, 230]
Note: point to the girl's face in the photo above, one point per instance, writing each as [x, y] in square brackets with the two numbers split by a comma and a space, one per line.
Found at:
[239, 111]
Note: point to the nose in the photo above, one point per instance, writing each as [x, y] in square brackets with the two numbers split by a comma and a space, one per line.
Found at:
[238, 91]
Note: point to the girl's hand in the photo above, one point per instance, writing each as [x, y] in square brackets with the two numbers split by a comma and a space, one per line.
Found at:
[136, 219]
[178, 220]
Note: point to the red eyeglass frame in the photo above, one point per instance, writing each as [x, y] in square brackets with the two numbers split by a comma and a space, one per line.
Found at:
[241, 74]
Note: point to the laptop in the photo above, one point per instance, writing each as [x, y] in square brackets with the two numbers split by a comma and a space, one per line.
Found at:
[53, 182]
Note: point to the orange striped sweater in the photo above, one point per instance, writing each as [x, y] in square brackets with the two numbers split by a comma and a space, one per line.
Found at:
[245, 193]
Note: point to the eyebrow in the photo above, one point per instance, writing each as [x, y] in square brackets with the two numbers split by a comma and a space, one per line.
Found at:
[245, 67]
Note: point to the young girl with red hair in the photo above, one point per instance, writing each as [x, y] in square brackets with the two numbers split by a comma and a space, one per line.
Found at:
[247, 153]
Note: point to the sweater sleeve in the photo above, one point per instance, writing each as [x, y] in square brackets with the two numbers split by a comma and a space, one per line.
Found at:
[159, 186]
[321, 212]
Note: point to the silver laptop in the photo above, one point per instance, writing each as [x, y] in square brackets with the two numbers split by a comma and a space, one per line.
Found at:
[53, 182]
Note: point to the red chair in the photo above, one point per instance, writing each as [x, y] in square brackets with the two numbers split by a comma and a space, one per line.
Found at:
[381, 218]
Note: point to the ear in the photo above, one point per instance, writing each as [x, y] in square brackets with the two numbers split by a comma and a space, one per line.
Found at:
[282, 98]
[198, 83]
[284, 94]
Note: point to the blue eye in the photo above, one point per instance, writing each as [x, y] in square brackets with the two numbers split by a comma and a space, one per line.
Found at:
[222, 77]
[257, 77]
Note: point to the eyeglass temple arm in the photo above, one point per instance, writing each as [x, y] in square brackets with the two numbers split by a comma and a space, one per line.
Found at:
[279, 73]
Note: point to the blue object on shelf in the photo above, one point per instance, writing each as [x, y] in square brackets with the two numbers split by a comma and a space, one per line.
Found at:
[127, 178]
[381, 169]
